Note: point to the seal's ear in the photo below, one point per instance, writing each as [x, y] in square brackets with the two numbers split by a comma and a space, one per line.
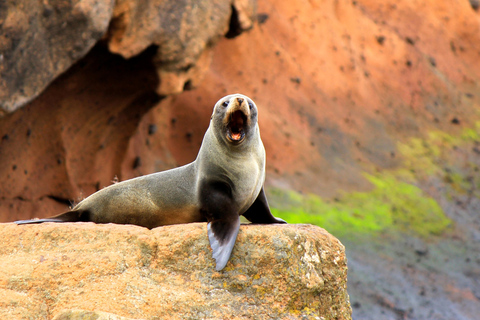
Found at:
[259, 212]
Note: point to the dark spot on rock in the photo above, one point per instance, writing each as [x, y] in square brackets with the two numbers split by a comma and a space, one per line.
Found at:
[277, 53]
[455, 121]
[102, 146]
[97, 185]
[469, 95]
[25, 171]
[189, 135]
[235, 28]
[432, 61]
[421, 252]
[137, 162]
[296, 80]
[5, 137]
[262, 18]
[47, 11]
[367, 74]
[187, 85]
[410, 41]
[59, 161]
[452, 47]
[356, 305]
[476, 150]
[110, 120]
[265, 81]
[380, 39]
[152, 128]
[408, 63]
[29, 132]
[392, 154]
[475, 4]
[422, 291]
[187, 67]
[173, 121]
[14, 167]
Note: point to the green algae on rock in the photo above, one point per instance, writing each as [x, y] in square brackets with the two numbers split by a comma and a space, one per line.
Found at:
[391, 205]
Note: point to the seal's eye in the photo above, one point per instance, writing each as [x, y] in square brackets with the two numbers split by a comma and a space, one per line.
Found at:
[250, 104]
[225, 104]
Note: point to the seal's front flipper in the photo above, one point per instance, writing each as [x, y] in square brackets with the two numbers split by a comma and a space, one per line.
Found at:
[259, 211]
[69, 216]
[218, 207]
[222, 235]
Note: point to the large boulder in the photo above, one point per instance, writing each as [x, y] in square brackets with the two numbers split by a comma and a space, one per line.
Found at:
[41, 39]
[66, 270]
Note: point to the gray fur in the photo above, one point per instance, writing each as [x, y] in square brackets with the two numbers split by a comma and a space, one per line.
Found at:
[231, 170]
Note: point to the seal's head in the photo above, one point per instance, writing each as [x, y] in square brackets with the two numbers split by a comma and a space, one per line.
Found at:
[234, 119]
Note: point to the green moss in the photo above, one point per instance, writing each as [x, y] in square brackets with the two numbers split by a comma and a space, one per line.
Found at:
[391, 205]
[396, 203]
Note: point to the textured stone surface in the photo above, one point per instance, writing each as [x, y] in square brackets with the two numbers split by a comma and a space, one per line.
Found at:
[183, 31]
[40, 40]
[76, 314]
[283, 272]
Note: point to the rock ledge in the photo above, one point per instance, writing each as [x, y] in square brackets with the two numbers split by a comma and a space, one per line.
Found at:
[276, 271]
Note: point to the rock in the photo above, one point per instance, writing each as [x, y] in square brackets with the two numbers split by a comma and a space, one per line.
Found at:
[74, 123]
[40, 40]
[183, 31]
[278, 271]
[88, 315]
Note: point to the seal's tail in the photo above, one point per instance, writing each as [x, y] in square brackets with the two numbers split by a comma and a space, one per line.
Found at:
[69, 216]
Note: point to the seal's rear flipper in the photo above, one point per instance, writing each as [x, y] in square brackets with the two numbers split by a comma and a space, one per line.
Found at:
[259, 212]
[69, 216]
[222, 235]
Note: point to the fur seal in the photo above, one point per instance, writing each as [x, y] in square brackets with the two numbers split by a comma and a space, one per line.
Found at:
[225, 181]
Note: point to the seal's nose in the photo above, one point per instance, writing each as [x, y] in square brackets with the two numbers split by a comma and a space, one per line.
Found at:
[240, 100]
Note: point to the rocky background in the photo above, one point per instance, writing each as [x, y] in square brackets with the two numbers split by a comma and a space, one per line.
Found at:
[369, 112]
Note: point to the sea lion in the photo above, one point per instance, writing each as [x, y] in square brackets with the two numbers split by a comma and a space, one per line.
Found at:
[225, 181]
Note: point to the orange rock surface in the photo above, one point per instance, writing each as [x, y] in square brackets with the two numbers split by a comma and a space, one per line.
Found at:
[283, 272]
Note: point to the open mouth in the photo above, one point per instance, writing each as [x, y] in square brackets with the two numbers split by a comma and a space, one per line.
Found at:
[236, 125]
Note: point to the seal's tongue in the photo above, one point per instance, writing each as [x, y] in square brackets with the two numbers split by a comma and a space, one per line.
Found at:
[236, 136]
[236, 125]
